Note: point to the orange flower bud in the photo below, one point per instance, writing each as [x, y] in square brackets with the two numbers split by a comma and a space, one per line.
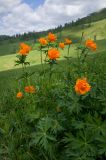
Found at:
[68, 41]
[19, 95]
[61, 45]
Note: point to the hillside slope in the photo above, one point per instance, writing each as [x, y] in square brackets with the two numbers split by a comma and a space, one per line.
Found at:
[96, 28]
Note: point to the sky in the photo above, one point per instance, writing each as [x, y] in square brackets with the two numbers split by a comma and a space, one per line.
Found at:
[19, 16]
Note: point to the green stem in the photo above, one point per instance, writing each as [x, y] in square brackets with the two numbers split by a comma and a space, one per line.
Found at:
[41, 60]
[82, 38]
[68, 65]
[68, 50]
[50, 73]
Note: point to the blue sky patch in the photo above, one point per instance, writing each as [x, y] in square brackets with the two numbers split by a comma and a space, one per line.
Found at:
[34, 3]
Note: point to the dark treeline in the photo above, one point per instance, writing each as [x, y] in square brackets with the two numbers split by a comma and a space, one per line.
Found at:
[93, 17]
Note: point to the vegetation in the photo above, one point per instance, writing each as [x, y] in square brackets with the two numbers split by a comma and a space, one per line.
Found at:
[52, 93]
[55, 111]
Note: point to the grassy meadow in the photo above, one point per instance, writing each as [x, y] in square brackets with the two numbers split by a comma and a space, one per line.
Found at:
[61, 116]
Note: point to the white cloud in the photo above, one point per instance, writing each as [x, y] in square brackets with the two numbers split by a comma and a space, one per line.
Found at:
[17, 17]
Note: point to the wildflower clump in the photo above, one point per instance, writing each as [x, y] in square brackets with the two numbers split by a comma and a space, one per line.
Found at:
[59, 109]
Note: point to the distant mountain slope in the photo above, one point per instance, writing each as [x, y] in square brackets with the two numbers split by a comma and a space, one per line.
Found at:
[97, 29]
[93, 17]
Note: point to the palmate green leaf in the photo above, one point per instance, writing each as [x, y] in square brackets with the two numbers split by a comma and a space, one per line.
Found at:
[77, 124]
[45, 124]
[75, 107]
[81, 145]
[102, 144]
[95, 124]
[56, 127]
[44, 137]
[44, 140]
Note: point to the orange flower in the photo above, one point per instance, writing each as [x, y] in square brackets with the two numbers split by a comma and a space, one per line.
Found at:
[30, 89]
[53, 54]
[23, 52]
[43, 41]
[91, 44]
[24, 49]
[82, 86]
[19, 95]
[51, 37]
[68, 41]
[61, 45]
